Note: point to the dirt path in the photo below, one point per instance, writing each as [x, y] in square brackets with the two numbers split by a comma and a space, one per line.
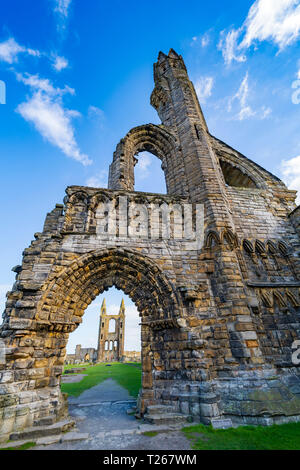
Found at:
[101, 411]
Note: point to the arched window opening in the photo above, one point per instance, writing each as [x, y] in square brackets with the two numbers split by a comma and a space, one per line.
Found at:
[149, 175]
[112, 326]
[235, 177]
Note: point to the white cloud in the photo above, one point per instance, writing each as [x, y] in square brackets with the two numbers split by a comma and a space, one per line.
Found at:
[241, 97]
[203, 87]
[99, 180]
[62, 7]
[62, 10]
[277, 21]
[244, 110]
[45, 110]
[291, 174]
[265, 112]
[94, 112]
[43, 84]
[229, 47]
[60, 63]
[203, 40]
[10, 49]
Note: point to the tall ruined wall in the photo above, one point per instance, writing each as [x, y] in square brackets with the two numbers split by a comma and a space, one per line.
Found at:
[218, 319]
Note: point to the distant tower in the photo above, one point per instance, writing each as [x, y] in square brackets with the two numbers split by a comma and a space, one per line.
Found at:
[111, 335]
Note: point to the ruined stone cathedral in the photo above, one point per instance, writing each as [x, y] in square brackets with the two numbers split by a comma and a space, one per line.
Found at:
[111, 337]
[219, 322]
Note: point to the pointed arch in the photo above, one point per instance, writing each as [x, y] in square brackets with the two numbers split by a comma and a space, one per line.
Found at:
[267, 299]
[69, 292]
[279, 299]
[271, 247]
[292, 299]
[230, 238]
[260, 247]
[212, 239]
[248, 247]
[152, 138]
[283, 248]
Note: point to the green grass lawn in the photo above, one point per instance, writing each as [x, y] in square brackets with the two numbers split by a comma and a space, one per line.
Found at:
[127, 375]
[276, 437]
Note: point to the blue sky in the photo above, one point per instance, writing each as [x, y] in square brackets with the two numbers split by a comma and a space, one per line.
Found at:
[78, 76]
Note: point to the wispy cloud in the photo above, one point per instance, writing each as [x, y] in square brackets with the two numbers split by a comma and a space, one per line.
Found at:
[241, 97]
[244, 110]
[10, 50]
[62, 11]
[203, 40]
[290, 170]
[229, 47]
[95, 113]
[203, 87]
[277, 21]
[60, 63]
[99, 180]
[62, 7]
[44, 108]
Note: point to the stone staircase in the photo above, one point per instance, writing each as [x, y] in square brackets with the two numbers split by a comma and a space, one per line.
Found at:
[160, 415]
[45, 432]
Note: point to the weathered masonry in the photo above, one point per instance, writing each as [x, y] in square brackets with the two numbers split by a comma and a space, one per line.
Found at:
[218, 323]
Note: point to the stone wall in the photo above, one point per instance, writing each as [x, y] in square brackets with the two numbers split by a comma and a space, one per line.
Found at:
[131, 356]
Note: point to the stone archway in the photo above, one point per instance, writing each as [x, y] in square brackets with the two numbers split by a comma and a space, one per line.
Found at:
[59, 310]
[70, 292]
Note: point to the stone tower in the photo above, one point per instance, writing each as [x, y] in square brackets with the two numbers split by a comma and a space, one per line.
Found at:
[111, 335]
[220, 321]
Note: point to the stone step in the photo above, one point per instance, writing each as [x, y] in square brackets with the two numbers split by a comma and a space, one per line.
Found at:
[160, 409]
[47, 440]
[75, 436]
[166, 418]
[43, 431]
[14, 444]
[46, 421]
